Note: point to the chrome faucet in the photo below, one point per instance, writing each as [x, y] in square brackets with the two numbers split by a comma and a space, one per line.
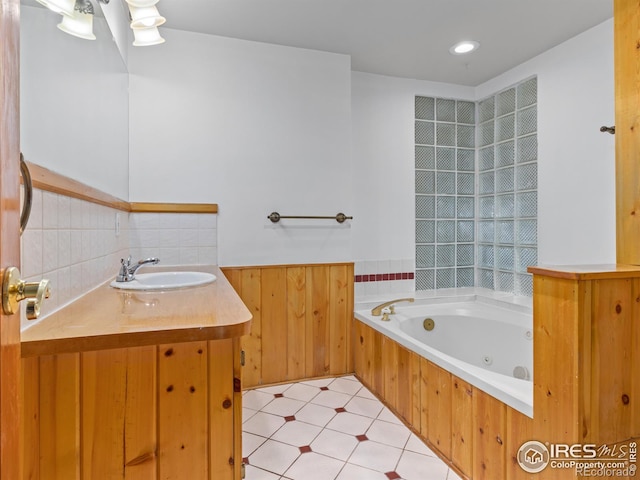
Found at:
[377, 311]
[127, 272]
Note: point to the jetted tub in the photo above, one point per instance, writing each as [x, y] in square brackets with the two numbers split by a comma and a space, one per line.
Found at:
[486, 342]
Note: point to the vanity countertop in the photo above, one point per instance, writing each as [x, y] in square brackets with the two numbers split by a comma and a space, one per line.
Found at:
[107, 317]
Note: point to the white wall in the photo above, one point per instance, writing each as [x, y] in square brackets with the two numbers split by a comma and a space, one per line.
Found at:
[383, 115]
[576, 176]
[73, 102]
[253, 127]
[576, 204]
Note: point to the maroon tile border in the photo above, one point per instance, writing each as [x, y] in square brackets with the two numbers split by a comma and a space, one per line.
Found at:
[384, 277]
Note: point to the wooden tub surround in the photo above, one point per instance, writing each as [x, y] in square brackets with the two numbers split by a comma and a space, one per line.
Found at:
[136, 385]
[586, 378]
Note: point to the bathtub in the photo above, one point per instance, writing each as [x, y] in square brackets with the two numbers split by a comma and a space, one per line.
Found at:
[484, 341]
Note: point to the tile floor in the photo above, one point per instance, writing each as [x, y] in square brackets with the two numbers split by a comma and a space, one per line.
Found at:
[330, 429]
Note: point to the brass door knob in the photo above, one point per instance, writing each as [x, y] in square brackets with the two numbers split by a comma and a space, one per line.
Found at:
[14, 290]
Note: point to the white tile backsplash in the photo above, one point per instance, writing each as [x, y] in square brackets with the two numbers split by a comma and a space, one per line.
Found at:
[74, 243]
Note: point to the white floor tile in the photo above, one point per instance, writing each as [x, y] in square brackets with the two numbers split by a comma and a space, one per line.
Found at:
[387, 416]
[376, 456]
[250, 443]
[255, 400]
[319, 382]
[364, 406]
[247, 413]
[355, 472]
[297, 433]
[274, 456]
[300, 391]
[331, 399]
[365, 393]
[349, 423]
[313, 466]
[272, 390]
[334, 444]
[254, 473]
[315, 414]
[388, 433]
[414, 444]
[352, 378]
[263, 424]
[453, 475]
[283, 406]
[343, 385]
[413, 466]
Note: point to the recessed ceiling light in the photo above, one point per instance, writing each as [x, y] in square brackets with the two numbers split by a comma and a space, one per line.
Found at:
[461, 48]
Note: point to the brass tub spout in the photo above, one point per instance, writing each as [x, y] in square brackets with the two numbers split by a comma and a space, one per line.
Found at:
[377, 311]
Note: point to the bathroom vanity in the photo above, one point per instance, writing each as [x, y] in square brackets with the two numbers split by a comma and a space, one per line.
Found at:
[136, 384]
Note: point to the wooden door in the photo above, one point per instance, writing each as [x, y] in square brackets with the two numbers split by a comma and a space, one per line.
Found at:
[10, 237]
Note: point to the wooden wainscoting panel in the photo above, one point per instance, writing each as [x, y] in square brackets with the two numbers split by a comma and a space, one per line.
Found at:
[439, 413]
[60, 417]
[424, 397]
[361, 364]
[519, 430]
[377, 365]
[140, 414]
[30, 438]
[104, 388]
[390, 376]
[462, 425]
[221, 409]
[408, 385]
[183, 437]
[274, 323]
[634, 368]
[296, 322]
[489, 437]
[556, 311]
[317, 319]
[302, 320]
[613, 308]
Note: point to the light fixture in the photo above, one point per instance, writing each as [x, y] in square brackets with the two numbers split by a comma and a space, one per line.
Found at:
[63, 7]
[145, 20]
[145, 17]
[464, 47]
[145, 37]
[80, 24]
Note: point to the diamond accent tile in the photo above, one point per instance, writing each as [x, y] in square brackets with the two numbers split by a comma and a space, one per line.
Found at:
[305, 449]
[392, 475]
[424, 107]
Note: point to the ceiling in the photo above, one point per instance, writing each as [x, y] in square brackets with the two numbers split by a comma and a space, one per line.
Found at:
[404, 38]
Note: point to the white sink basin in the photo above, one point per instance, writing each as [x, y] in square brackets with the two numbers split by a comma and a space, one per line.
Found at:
[165, 280]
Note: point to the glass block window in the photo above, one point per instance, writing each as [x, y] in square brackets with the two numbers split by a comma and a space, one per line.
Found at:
[476, 181]
[445, 188]
[508, 184]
